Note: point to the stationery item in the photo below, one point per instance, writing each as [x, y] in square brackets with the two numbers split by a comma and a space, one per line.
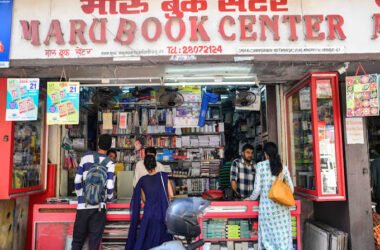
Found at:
[144, 121]
[136, 119]
[169, 119]
[123, 120]
[130, 128]
[107, 121]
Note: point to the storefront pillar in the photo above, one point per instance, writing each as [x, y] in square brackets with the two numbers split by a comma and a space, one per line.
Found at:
[272, 114]
[354, 215]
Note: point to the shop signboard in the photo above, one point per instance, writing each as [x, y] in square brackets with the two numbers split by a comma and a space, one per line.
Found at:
[122, 29]
[362, 95]
[62, 103]
[22, 99]
[6, 8]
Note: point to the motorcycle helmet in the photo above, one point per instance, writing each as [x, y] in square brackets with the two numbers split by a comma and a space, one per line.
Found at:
[182, 216]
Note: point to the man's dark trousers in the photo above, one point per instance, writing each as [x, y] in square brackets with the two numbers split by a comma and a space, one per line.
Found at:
[88, 223]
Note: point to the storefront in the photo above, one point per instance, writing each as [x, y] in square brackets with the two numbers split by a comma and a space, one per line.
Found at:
[140, 62]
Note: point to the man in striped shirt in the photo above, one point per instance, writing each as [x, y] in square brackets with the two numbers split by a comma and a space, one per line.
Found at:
[91, 219]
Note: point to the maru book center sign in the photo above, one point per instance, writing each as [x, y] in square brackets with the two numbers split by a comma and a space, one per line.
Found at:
[123, 28]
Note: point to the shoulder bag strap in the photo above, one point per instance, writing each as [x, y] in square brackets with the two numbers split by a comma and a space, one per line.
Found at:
[96, 157]
[163, 185]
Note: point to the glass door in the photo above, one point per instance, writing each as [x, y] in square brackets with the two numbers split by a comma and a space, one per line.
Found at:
[28, 168]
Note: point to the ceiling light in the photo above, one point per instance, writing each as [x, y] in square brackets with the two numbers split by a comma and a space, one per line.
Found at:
[120, 84]
[240, 77]
[208, 83]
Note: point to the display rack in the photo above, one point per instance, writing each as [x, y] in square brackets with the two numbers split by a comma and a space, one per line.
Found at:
[315, 138]
[23, 148]
[54, 223]
[176, 147]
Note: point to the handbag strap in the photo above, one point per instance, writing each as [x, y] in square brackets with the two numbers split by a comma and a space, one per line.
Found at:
[281, 176]
[163, 185]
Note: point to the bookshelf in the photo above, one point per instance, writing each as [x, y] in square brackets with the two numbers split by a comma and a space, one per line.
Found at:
[193, 155]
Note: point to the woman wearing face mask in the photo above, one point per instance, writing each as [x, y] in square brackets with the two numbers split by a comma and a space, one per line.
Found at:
[275, 227]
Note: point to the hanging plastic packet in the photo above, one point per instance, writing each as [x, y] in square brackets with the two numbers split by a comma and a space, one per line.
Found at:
[129, 123]
[144, 121]
[136, 119]
[169, 119]
[206, 99]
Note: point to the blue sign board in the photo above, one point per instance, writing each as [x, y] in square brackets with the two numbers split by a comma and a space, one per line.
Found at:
[6, 7]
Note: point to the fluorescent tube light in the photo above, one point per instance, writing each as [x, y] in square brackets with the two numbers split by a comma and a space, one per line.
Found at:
[148, 84]
[208, 83]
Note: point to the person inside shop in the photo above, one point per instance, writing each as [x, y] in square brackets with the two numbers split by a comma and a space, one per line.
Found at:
[243, 172]
[91, 211]
[155, 190]
[112, 154]
[375, 178]
[140, 169]
[275, 231]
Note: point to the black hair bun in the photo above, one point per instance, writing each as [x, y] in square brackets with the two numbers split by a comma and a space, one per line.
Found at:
[150, 162]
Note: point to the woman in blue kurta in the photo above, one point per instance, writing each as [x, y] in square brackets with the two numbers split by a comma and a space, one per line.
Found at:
[156, 191]
[275, 228]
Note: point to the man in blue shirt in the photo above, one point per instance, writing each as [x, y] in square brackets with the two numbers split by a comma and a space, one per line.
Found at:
[91, 219]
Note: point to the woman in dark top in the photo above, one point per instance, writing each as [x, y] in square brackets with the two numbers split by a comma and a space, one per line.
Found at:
[155, 190]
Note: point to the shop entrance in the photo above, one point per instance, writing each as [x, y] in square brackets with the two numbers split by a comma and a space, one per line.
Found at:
[164, 113]
[374, 157]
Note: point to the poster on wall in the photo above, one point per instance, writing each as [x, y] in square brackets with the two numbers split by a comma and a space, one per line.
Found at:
[324, 90]
[305, 100]
[62, 103]
[187, 115]
[6, 10]
[354, 130]
[362, 95]
[22, 99]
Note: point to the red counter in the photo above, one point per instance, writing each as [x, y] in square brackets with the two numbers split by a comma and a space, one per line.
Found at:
[53, 224]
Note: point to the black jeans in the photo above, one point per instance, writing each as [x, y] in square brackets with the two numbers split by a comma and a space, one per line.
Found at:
[88, 223]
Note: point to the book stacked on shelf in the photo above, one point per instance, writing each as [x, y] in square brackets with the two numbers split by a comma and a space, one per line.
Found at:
[231, 229]
[197, 186]
[214, 140]
[230, 245]
[215, 229]
[214, 184]
[125, 142]
[205, 168]
[161, 141]
[115, 235]
[294, 227]
[224, 175]
[214, 168]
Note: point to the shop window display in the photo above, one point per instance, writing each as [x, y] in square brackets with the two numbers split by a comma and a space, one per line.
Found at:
[27, 160]
[314, 137]
[23, 144]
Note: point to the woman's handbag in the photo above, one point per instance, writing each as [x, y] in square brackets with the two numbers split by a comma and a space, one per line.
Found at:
[281, 193]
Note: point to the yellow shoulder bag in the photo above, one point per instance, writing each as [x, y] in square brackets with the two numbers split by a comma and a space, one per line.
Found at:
[281, 193]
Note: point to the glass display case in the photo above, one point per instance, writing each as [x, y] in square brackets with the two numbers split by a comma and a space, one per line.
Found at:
[314, 137]
[23, 145]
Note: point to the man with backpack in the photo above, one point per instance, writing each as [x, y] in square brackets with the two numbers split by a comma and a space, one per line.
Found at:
[94, 186]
